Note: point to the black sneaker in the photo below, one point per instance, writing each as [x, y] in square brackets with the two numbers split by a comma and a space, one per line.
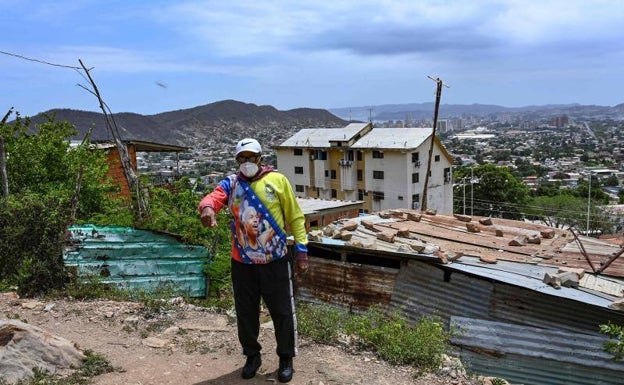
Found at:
[251, 366]
[285, 371]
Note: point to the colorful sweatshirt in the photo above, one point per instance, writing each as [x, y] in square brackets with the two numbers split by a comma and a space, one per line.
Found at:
[254, 238]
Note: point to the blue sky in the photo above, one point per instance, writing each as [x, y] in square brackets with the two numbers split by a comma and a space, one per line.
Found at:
[156, 56]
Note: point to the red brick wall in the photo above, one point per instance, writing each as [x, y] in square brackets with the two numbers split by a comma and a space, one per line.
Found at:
[116, 172]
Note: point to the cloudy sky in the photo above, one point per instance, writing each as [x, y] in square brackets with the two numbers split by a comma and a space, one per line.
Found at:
[154, 56]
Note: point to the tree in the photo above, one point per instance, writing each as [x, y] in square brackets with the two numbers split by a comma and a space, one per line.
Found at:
[495, 192]
[42, 173]
[611, 180]
[562, 211]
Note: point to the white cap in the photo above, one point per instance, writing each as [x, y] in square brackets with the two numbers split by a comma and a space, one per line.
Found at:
[248, 144]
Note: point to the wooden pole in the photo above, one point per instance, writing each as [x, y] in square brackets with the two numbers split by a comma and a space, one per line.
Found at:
[423, 206]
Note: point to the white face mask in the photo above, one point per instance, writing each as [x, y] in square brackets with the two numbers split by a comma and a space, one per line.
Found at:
[249, 169]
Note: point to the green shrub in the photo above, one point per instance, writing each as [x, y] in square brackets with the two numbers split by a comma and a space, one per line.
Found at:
[390, 336]
[398, 342]
[322, 323]
[32, 232]
[615, 344]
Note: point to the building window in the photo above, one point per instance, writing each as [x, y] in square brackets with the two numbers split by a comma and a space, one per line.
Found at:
[400, 197]
[415, 157]
[360, 195]
[326, 173]
[377, 154]
[299, 188]
[378, 195]
[378, 174]
[359, 155]
[298, 151]
[333, 174]
[350, 155]
[415, 201]
[436, 158]
[360, 175]
[334, 193]
[415, 177]
[447, 175]
[298, 170]
[321, 155]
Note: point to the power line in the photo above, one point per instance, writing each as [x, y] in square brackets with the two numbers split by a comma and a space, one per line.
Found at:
[39, 61]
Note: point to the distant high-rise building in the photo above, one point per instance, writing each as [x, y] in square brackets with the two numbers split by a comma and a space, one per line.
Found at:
[560, 121]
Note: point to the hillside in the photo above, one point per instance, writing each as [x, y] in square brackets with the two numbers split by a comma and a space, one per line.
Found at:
[220, 122]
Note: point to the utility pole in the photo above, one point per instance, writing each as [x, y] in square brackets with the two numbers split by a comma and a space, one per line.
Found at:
[471, 190]
[588, 201]
[464, 188]
[435, 123]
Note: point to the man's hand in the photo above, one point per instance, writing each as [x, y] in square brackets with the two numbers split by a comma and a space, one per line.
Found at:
[301, 263]
[208, 217]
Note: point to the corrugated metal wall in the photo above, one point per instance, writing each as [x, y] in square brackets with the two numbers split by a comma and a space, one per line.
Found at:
[536, 371]
[137, 259]
[350, 285]
[421, 290]
[535, 356]
[528, 307]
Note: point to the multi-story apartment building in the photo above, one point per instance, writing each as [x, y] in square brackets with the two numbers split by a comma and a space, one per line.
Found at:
[384, 167]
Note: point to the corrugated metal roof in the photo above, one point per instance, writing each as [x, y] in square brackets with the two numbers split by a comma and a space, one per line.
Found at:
[527, 276]
[311, 205]
[320, 137]
[137, 258]
[393, 138]
[378, 138]
[492, 242]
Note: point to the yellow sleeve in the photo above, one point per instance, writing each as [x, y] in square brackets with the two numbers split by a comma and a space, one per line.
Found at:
[292, 212]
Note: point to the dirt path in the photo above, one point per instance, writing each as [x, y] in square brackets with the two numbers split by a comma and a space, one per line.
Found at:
[189, 345]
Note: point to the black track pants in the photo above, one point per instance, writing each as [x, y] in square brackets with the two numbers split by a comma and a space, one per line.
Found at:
[271, 282]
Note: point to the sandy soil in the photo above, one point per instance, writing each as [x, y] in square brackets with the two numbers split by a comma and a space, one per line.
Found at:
[189, 345]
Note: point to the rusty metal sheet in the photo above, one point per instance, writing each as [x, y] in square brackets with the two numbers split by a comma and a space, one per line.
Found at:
[346, 284]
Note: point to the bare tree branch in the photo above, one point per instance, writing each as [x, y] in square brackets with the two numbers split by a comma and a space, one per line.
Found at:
[131, 177]
[3, 171]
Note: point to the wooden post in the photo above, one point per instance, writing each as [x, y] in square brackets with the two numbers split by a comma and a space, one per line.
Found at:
[433, 135]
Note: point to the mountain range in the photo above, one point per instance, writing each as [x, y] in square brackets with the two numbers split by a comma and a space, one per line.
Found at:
[425, 111]
[223, 121]
[227, 121]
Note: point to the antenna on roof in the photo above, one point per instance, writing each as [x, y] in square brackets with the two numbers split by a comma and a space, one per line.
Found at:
[370, 115]
[435, 123]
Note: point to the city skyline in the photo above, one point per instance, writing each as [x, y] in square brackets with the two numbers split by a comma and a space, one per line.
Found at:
[157, 56]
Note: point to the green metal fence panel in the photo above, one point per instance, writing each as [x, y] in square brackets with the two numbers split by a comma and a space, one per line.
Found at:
[137, 259]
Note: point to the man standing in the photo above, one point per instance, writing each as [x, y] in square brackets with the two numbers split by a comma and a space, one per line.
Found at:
[262, 205]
